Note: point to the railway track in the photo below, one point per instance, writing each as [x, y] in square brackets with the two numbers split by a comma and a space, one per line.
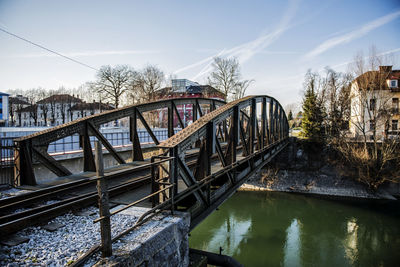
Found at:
[21, 211]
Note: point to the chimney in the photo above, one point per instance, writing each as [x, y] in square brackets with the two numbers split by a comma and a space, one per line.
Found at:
[385, 69]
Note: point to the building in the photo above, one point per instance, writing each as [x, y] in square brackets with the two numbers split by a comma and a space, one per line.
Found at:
[58, 109]
[84, 109]
[16, 104]
[183, 88]
[4, 109]
[375, 103]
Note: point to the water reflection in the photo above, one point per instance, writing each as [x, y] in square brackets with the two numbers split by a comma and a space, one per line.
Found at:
[292, 245]
[229, 235]
[276, 229]
[350, 242]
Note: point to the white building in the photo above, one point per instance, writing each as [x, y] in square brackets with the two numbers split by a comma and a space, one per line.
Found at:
[16, 104]
[59, 109]
[375, 103]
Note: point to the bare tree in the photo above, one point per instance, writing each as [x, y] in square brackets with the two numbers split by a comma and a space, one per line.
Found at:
[336, 102]
[225, 76]
[146, 82]
[374, 156]
[42, 94]
[51, 104]
[33, 97]
[240, 89]
[113, 82]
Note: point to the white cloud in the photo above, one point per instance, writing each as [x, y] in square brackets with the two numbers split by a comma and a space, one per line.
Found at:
[246, 51]
[392, 51]
[348, 37]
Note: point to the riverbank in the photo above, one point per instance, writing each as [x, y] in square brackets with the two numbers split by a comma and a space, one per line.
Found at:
[312, 170]
[311, 183]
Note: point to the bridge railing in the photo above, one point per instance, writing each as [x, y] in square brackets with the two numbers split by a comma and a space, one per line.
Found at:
[255, 126]
[33, 148]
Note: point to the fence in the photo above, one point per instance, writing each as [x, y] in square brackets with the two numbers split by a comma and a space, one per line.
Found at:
[6, 160]
[118, 137]
[70, 144]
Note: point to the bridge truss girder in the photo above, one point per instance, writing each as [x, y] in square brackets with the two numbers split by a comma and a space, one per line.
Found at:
[33, 148]
[224, 133]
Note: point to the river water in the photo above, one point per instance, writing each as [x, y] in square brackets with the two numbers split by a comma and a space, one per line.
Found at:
[281, 229]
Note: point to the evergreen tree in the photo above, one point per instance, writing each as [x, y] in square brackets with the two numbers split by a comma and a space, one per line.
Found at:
[290, 115]
[311, 125]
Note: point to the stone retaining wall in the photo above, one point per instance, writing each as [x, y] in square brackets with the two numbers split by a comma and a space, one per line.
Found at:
[163, 242]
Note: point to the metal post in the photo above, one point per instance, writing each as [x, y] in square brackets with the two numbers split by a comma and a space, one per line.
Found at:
[170, 120]
[235, 133]
[137, 154]
[271, 121]
[23, 170]
[105, 225]
[88, 161]
[263, 120]
[173, 169]
[253, 114]
[153, 183]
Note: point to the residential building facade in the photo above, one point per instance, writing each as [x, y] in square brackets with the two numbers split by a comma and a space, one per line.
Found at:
[16, 104]
[375, 104]
[58, 109]
[183, 88]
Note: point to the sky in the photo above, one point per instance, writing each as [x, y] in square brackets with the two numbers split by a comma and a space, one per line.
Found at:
[276, 42]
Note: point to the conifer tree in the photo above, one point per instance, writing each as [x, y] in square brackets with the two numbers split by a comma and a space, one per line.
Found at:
[311, 125]
[290, 115]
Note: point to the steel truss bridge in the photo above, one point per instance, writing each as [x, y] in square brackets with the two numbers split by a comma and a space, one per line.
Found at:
[196, 169]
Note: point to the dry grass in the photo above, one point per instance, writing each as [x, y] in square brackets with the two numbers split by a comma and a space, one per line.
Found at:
[269, 176]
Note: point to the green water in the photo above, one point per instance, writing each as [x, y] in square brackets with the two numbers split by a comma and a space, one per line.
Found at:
[279, 229]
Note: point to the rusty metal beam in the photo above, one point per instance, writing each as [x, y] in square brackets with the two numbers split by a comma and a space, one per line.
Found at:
[23, 172]
[137, 154]
[105, 143]
[88, 159]
[199, 108]
[147, 128]
[178, 116]
[189, 179]
[50, 163]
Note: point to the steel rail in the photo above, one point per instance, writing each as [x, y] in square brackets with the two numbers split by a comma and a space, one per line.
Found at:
[17, 221]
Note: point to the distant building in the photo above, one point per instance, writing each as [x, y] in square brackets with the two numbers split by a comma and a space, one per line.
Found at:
[4, 109]
[84, 109]
[180, 85]
[187, 88]
[58, 109]
[183, 88]
[16, 104]
[380, 101]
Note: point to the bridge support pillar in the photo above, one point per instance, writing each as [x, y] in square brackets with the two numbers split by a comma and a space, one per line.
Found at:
[137, 154]
[88, 159]
[23, 169]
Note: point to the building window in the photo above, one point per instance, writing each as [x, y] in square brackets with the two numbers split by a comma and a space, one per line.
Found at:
[372, 104]
[371, 125]
[393, 83]
[395, 105]
[395, 125]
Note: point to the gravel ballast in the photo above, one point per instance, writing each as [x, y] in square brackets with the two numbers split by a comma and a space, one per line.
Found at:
[63, 246]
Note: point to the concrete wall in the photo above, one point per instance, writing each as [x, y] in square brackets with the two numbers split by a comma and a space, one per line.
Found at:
[163, 241]
[74, 162]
